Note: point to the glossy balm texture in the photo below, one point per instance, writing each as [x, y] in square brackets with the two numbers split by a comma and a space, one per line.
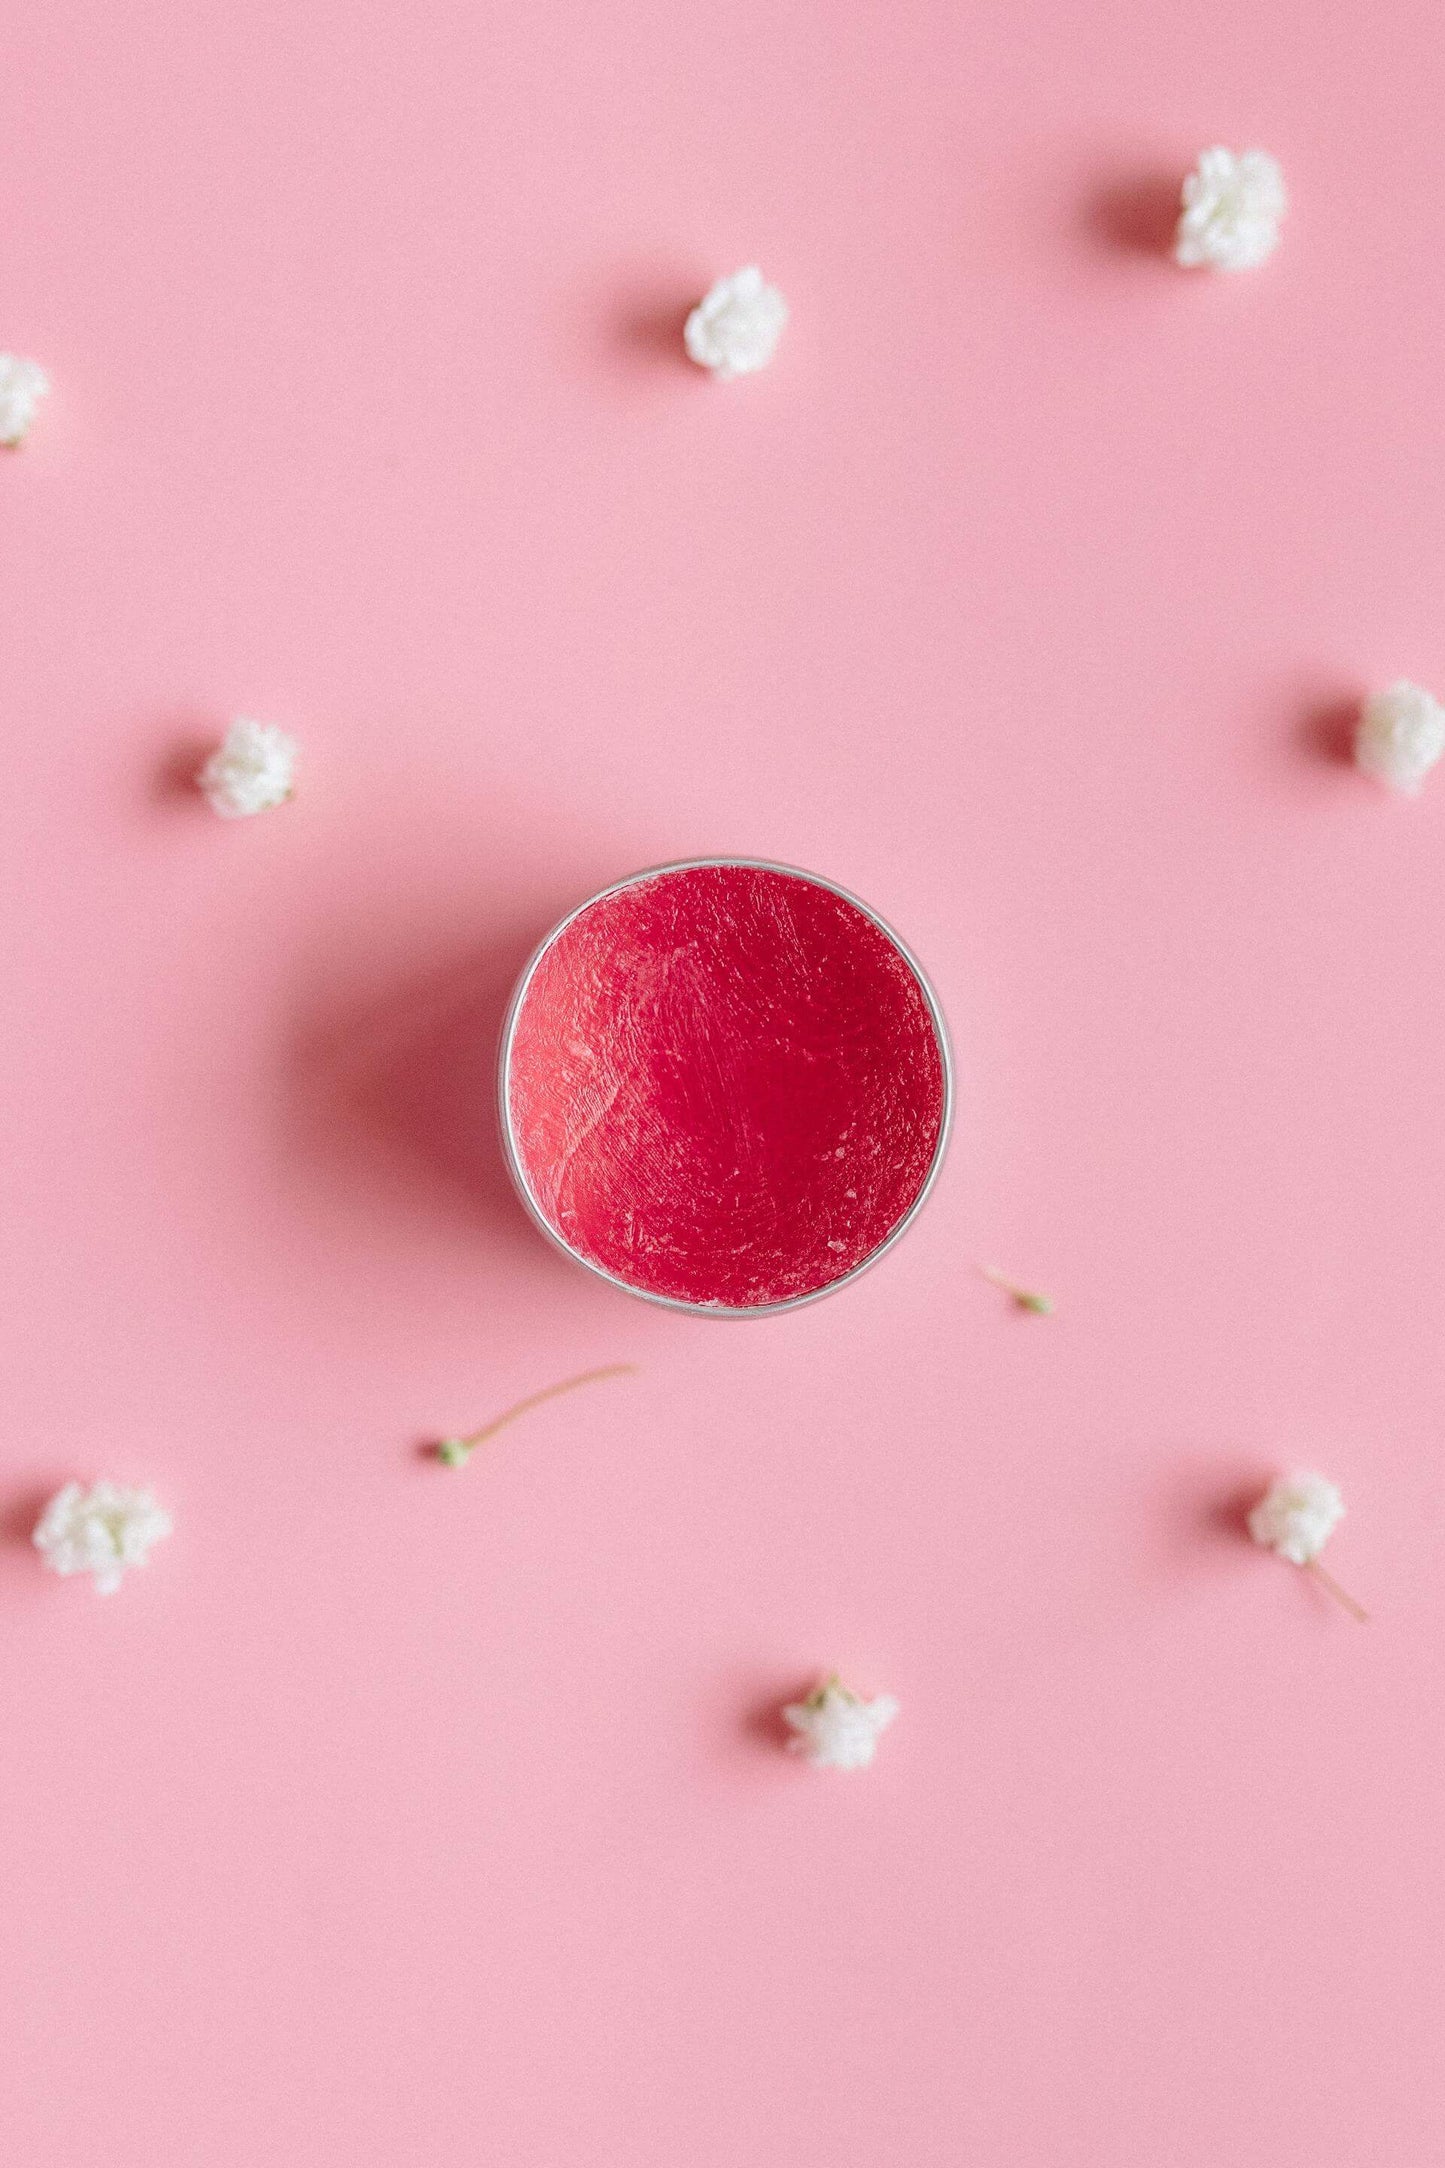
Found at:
[725, 1085]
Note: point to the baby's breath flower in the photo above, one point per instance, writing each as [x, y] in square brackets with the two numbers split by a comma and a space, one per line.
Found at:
[837, 1729]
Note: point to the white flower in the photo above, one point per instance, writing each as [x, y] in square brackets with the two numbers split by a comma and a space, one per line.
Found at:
[1297, 1516]
[1400, 737]
[1233, 203]
[736, 328]
[102, 1531]
[839, 1730]
[251, 771]
[23, 384]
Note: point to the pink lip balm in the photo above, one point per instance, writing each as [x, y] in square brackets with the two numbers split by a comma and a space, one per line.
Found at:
[725, 1086]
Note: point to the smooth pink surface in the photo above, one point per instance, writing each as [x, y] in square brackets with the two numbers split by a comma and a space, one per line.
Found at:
[399, 1816]
[725, 1086]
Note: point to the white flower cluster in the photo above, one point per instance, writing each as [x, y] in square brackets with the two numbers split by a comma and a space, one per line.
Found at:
[253, 769]
[1297, 1516]
[837, 1729]
[736, 327]
[23, 384]
[1400, 737]
[1233, 202]
[101, 1531]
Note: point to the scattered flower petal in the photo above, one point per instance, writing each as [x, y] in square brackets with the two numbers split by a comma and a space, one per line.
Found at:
[1297, 1516]
[1400, 737]
[252, 770]
[735, 329]
[101, 1531]
[1233, 202]
[23, 384]
[837, 1729]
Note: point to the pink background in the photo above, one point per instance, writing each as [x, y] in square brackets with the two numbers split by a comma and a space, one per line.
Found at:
[399, 1816]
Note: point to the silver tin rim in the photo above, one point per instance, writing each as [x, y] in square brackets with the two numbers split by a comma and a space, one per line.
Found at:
[504, 1101]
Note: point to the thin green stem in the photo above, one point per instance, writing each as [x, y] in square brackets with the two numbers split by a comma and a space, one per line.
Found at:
[1040, 1305]
[1328, 1581]
[457, 1451]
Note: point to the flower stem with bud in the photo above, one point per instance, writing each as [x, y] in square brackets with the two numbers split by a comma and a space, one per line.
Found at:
[1025, 1298]
[456, 1452]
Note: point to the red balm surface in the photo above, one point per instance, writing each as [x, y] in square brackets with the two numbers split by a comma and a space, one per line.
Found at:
[725, 1085]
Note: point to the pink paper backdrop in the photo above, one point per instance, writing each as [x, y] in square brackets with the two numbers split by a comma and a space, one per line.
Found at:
[396, 1816]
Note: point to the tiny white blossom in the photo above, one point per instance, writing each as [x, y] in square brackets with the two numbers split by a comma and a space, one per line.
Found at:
[837, 1729]
[251, 771]
[1233, 202]
[101, 1531]
[23, 384]
[1400, 737]
[1297, 1516]
[736, 327]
